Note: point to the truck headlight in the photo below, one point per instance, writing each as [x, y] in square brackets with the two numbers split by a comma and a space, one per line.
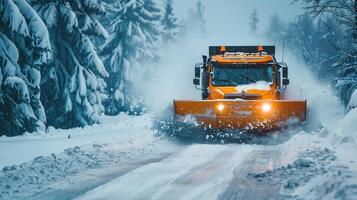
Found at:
[220, 107]
[266, 107]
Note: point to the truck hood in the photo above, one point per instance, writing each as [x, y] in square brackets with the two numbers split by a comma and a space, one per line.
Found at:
[260, 85]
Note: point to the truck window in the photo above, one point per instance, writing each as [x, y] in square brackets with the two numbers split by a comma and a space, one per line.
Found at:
[232, 75]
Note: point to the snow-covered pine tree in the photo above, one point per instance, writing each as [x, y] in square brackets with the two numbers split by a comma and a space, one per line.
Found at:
[134, 31]
[317, 43]
[24, 50]
[254, 20]
[169, 23]
[301, 38]
[355, 26]
[73, 87]
[342, 13]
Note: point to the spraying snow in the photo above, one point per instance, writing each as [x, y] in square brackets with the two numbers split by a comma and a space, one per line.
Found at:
[172, 76]
[324, 107]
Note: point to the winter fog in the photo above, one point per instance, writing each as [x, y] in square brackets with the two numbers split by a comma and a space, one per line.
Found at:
[230, 24]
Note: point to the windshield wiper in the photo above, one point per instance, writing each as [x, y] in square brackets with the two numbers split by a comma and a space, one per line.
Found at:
[226, 81]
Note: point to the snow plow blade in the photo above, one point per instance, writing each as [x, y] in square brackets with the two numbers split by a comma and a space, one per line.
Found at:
[260, 115]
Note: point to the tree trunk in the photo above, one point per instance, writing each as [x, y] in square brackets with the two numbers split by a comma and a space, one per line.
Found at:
[355, 28]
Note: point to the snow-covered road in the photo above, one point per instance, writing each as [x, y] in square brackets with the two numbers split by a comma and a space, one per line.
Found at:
[203, 171]
[124, 159]
[196, 172]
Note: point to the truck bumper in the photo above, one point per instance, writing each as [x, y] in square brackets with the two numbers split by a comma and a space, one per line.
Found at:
[239, 114]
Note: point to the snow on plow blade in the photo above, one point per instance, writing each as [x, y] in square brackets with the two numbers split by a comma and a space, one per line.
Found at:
[239, 114]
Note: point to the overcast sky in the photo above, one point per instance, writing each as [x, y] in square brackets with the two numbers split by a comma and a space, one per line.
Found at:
[233, 8]
[228, 20]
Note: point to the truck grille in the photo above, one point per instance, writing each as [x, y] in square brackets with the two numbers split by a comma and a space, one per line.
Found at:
[244, 96]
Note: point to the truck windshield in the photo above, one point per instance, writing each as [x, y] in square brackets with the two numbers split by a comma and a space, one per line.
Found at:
[242, 74]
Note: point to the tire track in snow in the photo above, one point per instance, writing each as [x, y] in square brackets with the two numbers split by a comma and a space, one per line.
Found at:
[198, 177]
[89, 180]
[153, 180]
[243, 187]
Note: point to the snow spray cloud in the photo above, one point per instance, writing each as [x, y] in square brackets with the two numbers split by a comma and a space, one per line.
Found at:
[172, 77]
[324, 107]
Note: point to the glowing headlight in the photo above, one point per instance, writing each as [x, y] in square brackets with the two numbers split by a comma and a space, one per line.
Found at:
[266, 107]
[220, 107]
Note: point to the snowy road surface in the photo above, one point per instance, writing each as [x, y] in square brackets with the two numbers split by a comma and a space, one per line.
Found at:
[197, 172]
[203, 171]
[123, 159]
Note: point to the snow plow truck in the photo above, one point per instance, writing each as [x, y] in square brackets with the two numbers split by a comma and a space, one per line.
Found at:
[243, 88]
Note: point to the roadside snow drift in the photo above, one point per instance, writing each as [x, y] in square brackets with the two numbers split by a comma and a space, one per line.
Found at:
[41, 166]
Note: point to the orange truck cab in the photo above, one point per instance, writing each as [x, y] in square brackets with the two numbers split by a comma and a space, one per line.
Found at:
[242, 88]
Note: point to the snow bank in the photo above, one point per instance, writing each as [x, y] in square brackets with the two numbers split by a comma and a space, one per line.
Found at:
[44, 173]
[327, 170]
[35, 164]
[120, 128]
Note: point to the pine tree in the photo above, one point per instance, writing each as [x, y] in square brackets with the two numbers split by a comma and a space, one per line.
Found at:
[134, 31]
[343, 13]
[24, 50]
[201, 22]
[169, 23]
[354, 30]
[276, 29]
[196, 19]
[254, 20]
[302, 39]
[73, 84]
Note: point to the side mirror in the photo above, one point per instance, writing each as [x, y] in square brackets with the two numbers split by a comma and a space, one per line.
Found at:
[197, 72]
[285, 72]
[286, 81]
[196, 81]
[204, 58]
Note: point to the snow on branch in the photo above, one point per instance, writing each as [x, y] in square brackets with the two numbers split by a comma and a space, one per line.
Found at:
[37, 28]
[12, 18]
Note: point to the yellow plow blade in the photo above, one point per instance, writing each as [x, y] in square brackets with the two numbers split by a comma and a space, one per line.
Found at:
[240, 114]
